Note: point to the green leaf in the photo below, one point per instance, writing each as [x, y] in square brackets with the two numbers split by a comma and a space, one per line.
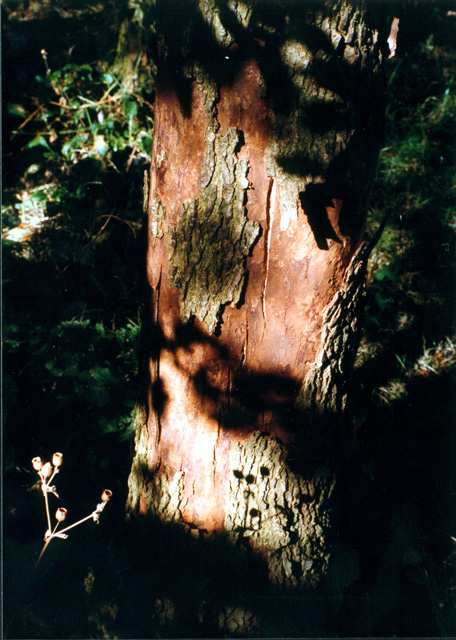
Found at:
[130, 107]
[98, 396]
[385, 273]
[146, 144]
[17, 110]
[126, 433]
[129, 400]
[109, 124]
[382, 302]
[100, 329]
[103, 375]
[402, 361]
[109, 424]
[38, 196]
[38, 142]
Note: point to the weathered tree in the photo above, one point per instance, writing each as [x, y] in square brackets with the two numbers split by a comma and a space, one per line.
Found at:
[268, 122]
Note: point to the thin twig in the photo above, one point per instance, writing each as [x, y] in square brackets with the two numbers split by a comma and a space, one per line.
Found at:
[111, 215]
[30, 117]
[75, 524]
[45, 546]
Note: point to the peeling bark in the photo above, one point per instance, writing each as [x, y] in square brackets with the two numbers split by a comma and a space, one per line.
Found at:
[263, 156]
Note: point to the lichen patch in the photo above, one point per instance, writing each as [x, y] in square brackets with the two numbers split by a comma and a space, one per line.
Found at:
[208, 246]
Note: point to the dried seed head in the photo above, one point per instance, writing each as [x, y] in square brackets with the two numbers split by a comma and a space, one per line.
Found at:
[57, 459]
[46, 470]
[106, 495]
[60, 514]
[37, 464]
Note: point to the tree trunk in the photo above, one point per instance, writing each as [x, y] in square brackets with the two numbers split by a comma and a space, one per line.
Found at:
[268, 120]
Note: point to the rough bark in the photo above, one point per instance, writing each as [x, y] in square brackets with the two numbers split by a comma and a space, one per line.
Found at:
[264, 151]
[131, 45]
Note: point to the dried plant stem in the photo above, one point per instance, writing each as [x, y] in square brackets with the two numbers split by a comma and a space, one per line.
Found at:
[47, 472]
[47, 506]
[74, 524]
[93, 515]
[46, 544]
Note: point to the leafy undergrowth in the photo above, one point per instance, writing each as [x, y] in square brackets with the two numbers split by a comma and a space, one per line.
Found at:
[410, 326]
[72, 224]
[406, 364]
[72, 242]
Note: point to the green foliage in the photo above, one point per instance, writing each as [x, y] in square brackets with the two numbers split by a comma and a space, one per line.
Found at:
[99, 376]
[83, 111]
[420, 157]
[72, 239]
[92, 105]
[413, 267]
[404, 373]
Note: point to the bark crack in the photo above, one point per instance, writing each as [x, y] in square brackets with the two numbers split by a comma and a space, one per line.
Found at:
[214, 455]
[156, 299]
[245, 346]
[270, 203]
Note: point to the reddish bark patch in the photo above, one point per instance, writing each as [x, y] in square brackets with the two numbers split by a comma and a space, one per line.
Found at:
[267, 343]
